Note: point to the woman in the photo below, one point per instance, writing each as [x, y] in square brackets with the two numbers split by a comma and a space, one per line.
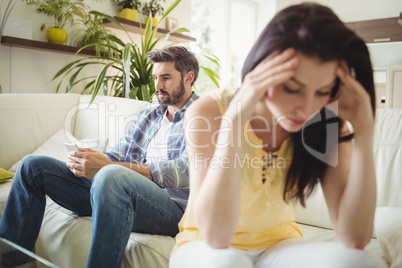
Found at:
[257, 151]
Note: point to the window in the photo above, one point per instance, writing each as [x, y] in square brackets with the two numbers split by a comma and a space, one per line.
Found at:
[227, 29]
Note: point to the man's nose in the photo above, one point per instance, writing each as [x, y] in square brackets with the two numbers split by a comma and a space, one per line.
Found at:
[158, 84]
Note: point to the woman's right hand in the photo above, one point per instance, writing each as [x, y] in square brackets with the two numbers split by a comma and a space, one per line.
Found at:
[274, 70]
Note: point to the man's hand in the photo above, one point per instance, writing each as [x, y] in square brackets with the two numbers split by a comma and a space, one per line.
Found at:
[86, 162]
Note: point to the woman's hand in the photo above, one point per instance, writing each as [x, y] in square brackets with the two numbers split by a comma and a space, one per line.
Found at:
[354, 101]
[86, 162]
[350, 187]
[274, 70]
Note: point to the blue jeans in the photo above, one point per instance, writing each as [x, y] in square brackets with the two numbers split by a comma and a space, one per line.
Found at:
[119, 200]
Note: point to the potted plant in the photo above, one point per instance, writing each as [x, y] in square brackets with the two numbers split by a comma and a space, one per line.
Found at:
[63, 12]
[131, 73]
[129, 8]
[153, 7]
[94, 35]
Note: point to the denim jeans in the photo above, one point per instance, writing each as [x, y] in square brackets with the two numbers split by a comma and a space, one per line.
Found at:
[119, 200]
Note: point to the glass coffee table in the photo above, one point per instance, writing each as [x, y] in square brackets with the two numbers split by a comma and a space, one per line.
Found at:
[24, 258]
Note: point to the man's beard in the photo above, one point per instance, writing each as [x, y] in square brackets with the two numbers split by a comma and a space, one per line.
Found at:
[176, 97]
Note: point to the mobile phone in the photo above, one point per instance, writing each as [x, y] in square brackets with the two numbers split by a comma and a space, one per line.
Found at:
[71, 147]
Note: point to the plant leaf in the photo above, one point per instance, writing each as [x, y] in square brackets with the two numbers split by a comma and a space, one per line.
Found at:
[169, 9]
[145, 92]
[211, 74]
[112, 20]
[216, 62]
[70, 82]
[65, 68]
[99, 81]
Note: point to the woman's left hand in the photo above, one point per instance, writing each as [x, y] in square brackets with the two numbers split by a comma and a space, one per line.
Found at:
[354, 102]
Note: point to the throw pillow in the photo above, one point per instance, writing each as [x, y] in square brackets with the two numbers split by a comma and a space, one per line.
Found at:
[388, 225]
[5, 175]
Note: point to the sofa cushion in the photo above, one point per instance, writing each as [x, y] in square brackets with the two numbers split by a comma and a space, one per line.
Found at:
[106, 118]
[65, 240]
[388, 156]
[316, 211]
[388, 224]
[28, 120]
[53, 147]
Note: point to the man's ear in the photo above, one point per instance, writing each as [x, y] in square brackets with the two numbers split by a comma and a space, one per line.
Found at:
[189, 77]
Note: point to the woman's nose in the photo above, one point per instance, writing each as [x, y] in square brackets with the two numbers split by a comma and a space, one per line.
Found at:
[306, 106]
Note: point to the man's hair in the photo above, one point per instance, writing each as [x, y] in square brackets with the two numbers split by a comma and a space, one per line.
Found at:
[184, 60]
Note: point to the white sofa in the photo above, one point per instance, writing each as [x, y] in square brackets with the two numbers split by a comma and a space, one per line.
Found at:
[41, 123]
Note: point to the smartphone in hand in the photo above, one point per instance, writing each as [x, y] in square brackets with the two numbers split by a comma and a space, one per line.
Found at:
[71, 147]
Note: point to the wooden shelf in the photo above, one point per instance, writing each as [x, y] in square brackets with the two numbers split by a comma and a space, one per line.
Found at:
[33, 44]
[136, 27]
[379, 30]
[130, 26]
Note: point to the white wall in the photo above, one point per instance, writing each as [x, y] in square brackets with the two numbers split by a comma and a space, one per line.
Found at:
[29, 70]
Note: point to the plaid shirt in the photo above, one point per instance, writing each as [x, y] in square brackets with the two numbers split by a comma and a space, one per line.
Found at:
[171, 174]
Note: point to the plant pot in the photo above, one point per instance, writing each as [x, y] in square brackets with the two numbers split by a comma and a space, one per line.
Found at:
[128, 14]
[154, 21]
[56, 35]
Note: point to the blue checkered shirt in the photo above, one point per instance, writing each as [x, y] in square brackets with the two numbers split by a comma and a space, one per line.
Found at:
[171, 174]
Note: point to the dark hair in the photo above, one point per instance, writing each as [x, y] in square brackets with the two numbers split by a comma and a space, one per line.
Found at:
[315, 31]
[184, 60]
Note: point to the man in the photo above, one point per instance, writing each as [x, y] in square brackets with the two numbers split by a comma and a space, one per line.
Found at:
[139, 186]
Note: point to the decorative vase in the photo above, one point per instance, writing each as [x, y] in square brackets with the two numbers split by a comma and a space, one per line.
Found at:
[56, 35]
[154, 21]
[128, 14]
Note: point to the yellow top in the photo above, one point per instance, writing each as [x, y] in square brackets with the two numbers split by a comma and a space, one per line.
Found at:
[265, 218]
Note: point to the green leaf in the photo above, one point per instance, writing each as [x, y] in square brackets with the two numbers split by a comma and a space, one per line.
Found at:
[208, 70]
[58, 86]
[145, 92]
[148, 36]
[64, 69]
[211, 74]
[169, 9]
[112, 20]
[133, 93]
[117, 40]
[105, 88]
[212, 55]
[216, 62]
[72, 79]
[99, 80]
[88, 86]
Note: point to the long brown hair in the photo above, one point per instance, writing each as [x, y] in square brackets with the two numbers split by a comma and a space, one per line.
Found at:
[315, 31]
